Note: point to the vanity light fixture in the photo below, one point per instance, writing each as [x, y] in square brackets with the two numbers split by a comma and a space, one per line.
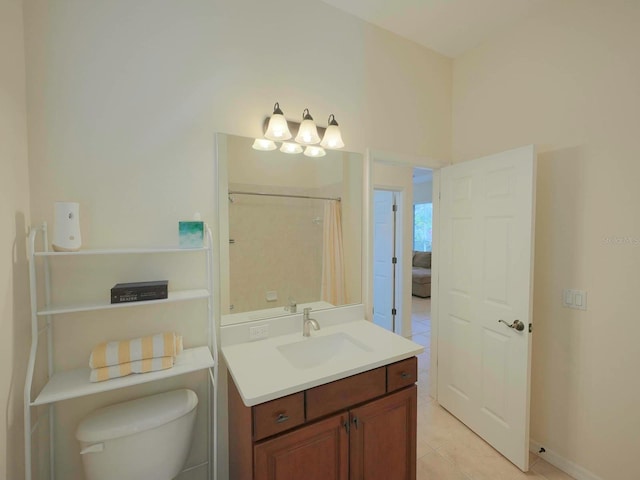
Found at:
[278, 129]
[290, 147]
[263, 144]
[308, 132]
[332, 136]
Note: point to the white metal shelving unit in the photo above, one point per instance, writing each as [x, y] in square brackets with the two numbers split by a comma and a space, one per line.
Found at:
[69, 384]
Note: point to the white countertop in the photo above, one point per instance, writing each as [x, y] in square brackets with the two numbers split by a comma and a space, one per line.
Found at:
[262, 373]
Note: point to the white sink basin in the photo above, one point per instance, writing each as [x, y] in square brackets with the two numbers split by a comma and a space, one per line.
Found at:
[314, 351]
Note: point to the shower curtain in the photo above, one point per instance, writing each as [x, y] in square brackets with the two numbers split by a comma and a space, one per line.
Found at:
[333, 284]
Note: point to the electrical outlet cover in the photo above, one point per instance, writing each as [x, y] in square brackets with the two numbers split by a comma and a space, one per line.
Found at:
[258, 332]
[271, 296]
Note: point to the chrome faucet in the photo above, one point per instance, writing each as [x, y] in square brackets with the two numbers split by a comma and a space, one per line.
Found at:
[307, 323]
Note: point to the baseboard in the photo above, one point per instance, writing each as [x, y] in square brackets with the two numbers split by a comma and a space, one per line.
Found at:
[567, 466]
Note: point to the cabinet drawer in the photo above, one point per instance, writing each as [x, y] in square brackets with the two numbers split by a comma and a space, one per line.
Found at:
[402, 374]
[345, 393]
[278, 415]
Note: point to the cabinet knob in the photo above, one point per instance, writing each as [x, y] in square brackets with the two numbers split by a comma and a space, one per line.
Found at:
[282, 418]
[405, 375]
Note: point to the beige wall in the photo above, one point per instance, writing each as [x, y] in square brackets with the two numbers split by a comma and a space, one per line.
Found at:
[124, 99]
[567, 80]
[277, 248]
[14, 218]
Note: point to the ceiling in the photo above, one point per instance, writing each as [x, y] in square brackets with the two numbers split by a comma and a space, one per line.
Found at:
[449, 27]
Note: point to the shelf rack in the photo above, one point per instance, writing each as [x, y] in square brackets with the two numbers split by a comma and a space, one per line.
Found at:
[178, 296]
[69, 384]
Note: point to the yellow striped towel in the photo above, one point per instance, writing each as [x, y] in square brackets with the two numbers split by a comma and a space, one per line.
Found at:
[124, 369]
[107, 354]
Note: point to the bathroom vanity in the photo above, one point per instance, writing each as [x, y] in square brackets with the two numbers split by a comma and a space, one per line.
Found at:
[340, 404]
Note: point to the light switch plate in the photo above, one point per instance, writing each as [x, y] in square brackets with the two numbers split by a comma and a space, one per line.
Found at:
[574, 299]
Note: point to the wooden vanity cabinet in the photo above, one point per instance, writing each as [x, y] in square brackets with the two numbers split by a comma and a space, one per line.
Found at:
[382, 438]
[358, 428]
[319, 451]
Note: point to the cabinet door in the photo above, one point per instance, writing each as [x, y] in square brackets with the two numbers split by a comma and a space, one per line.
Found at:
[383, 438]
[319, 451]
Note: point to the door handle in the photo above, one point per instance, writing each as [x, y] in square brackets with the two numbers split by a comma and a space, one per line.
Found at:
[517, 324]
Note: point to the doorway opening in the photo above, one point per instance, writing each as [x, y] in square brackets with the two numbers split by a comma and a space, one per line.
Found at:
[421, 257]
[444, 368]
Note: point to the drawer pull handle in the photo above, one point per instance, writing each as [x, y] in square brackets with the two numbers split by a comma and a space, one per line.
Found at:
[405, 375]
[282, 418]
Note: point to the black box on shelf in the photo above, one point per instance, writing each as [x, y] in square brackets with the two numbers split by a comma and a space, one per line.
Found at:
[139, 291]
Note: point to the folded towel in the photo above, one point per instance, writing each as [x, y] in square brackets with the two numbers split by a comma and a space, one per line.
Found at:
[124, 369]
[154, 346]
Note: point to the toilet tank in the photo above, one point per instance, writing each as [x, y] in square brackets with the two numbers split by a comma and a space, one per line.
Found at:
[149, 437]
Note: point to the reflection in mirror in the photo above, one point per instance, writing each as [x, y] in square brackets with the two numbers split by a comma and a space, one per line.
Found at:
[294, 227]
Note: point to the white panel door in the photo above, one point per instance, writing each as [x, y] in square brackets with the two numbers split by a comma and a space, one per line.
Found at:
[486, 265]
[383, 236]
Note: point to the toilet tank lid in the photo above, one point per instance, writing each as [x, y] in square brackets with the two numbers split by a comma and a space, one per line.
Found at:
[135, 416]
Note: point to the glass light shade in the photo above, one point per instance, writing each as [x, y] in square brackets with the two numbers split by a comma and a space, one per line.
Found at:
[278, 129]
[263, 144]
[332, 137]
[314, 151]
[290, 147]
[308, 132]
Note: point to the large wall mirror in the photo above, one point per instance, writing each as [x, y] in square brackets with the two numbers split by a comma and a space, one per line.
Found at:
[290, 230]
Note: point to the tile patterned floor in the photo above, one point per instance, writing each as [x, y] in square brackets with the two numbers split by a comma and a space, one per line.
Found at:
[447, 449]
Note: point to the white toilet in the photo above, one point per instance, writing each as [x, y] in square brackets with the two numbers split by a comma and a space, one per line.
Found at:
[147, 438]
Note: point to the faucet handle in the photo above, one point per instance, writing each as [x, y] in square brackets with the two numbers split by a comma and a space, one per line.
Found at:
[306, 312]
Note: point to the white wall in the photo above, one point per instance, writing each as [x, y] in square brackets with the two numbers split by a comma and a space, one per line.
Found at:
[124, 99]
[567, 80]
[14, 218]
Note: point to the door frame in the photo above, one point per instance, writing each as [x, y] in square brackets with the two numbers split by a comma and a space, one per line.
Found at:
[390, 158]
